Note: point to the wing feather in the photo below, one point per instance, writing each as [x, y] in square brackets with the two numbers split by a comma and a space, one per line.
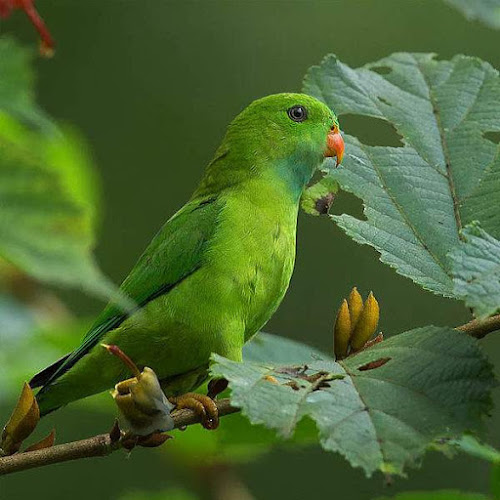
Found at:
[175, 252]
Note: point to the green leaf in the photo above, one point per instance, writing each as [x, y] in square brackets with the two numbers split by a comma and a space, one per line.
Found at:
[472, 446]
[495, 480]
[373, 415]
[269, 348]
[47, 187]
[447, 174]
[486, 11]
[437, 495]
[16, 85]
[476, 267]
[318, 197]
[28, 346]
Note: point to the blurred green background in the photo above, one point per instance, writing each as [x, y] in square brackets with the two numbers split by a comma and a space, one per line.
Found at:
[152, 85]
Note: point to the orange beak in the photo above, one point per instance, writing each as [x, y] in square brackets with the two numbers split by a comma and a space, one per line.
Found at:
[335, 145]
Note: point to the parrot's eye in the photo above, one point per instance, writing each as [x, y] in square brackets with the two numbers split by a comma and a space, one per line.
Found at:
[297, 113]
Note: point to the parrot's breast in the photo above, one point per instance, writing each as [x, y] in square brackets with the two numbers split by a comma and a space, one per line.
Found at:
[254, 252]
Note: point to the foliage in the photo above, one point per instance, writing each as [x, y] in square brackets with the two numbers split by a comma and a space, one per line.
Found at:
[486, 11]
[52, 340]
[476, 266]
[447, 174]
[47, 187]
[371, 412]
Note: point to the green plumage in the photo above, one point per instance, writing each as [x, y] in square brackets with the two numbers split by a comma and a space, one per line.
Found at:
[218, 269]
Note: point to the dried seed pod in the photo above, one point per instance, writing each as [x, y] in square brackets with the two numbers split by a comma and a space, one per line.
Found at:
[367, 323]
[342, 331]
[355, 302]
[141, 399]
[22, 422]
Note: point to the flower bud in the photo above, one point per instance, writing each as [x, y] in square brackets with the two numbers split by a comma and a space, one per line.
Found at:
[342, 331]
[355, 302]
[367, 323]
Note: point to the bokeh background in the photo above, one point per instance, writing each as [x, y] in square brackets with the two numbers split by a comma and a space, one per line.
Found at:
[152, 85]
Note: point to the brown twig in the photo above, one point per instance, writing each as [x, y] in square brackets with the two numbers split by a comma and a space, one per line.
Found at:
[97, 446]
[479, 328]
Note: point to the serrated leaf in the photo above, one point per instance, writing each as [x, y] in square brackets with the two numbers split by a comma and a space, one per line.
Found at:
[486, 11]
[447, 174]
[47, 195]
[476, 269]
[373, 417]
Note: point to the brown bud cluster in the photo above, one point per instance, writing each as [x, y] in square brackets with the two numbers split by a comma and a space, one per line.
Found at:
[356, 323]
[22, 423]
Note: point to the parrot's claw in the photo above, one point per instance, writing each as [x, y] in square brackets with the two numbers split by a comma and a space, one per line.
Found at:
[202, 405]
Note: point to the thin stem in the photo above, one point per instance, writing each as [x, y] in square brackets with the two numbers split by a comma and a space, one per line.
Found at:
[97, 446]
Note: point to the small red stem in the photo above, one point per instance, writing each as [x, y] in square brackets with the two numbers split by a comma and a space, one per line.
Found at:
[6, 7]
[38, 23]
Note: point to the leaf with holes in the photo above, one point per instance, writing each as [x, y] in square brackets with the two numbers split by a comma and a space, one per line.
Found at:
[418, 197]
[486, 11]
[380, 408]
[47, 187]
[476, 266]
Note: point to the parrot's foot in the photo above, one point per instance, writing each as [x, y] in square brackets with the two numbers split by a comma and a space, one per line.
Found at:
[203, 406]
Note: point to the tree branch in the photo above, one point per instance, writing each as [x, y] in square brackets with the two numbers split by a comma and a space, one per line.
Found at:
[103, 444]
[480, 328]
[97, 446]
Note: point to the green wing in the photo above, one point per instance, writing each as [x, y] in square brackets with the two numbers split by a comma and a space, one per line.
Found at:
[174, 253]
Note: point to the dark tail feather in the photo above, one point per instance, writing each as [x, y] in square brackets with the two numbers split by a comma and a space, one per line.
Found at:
[41, 378]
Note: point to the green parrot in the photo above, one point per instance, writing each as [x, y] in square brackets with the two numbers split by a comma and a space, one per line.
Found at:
[218, 269]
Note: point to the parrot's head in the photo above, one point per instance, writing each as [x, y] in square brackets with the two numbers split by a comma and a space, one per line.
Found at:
[291, 124]
[293, 131]
[287, 135]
